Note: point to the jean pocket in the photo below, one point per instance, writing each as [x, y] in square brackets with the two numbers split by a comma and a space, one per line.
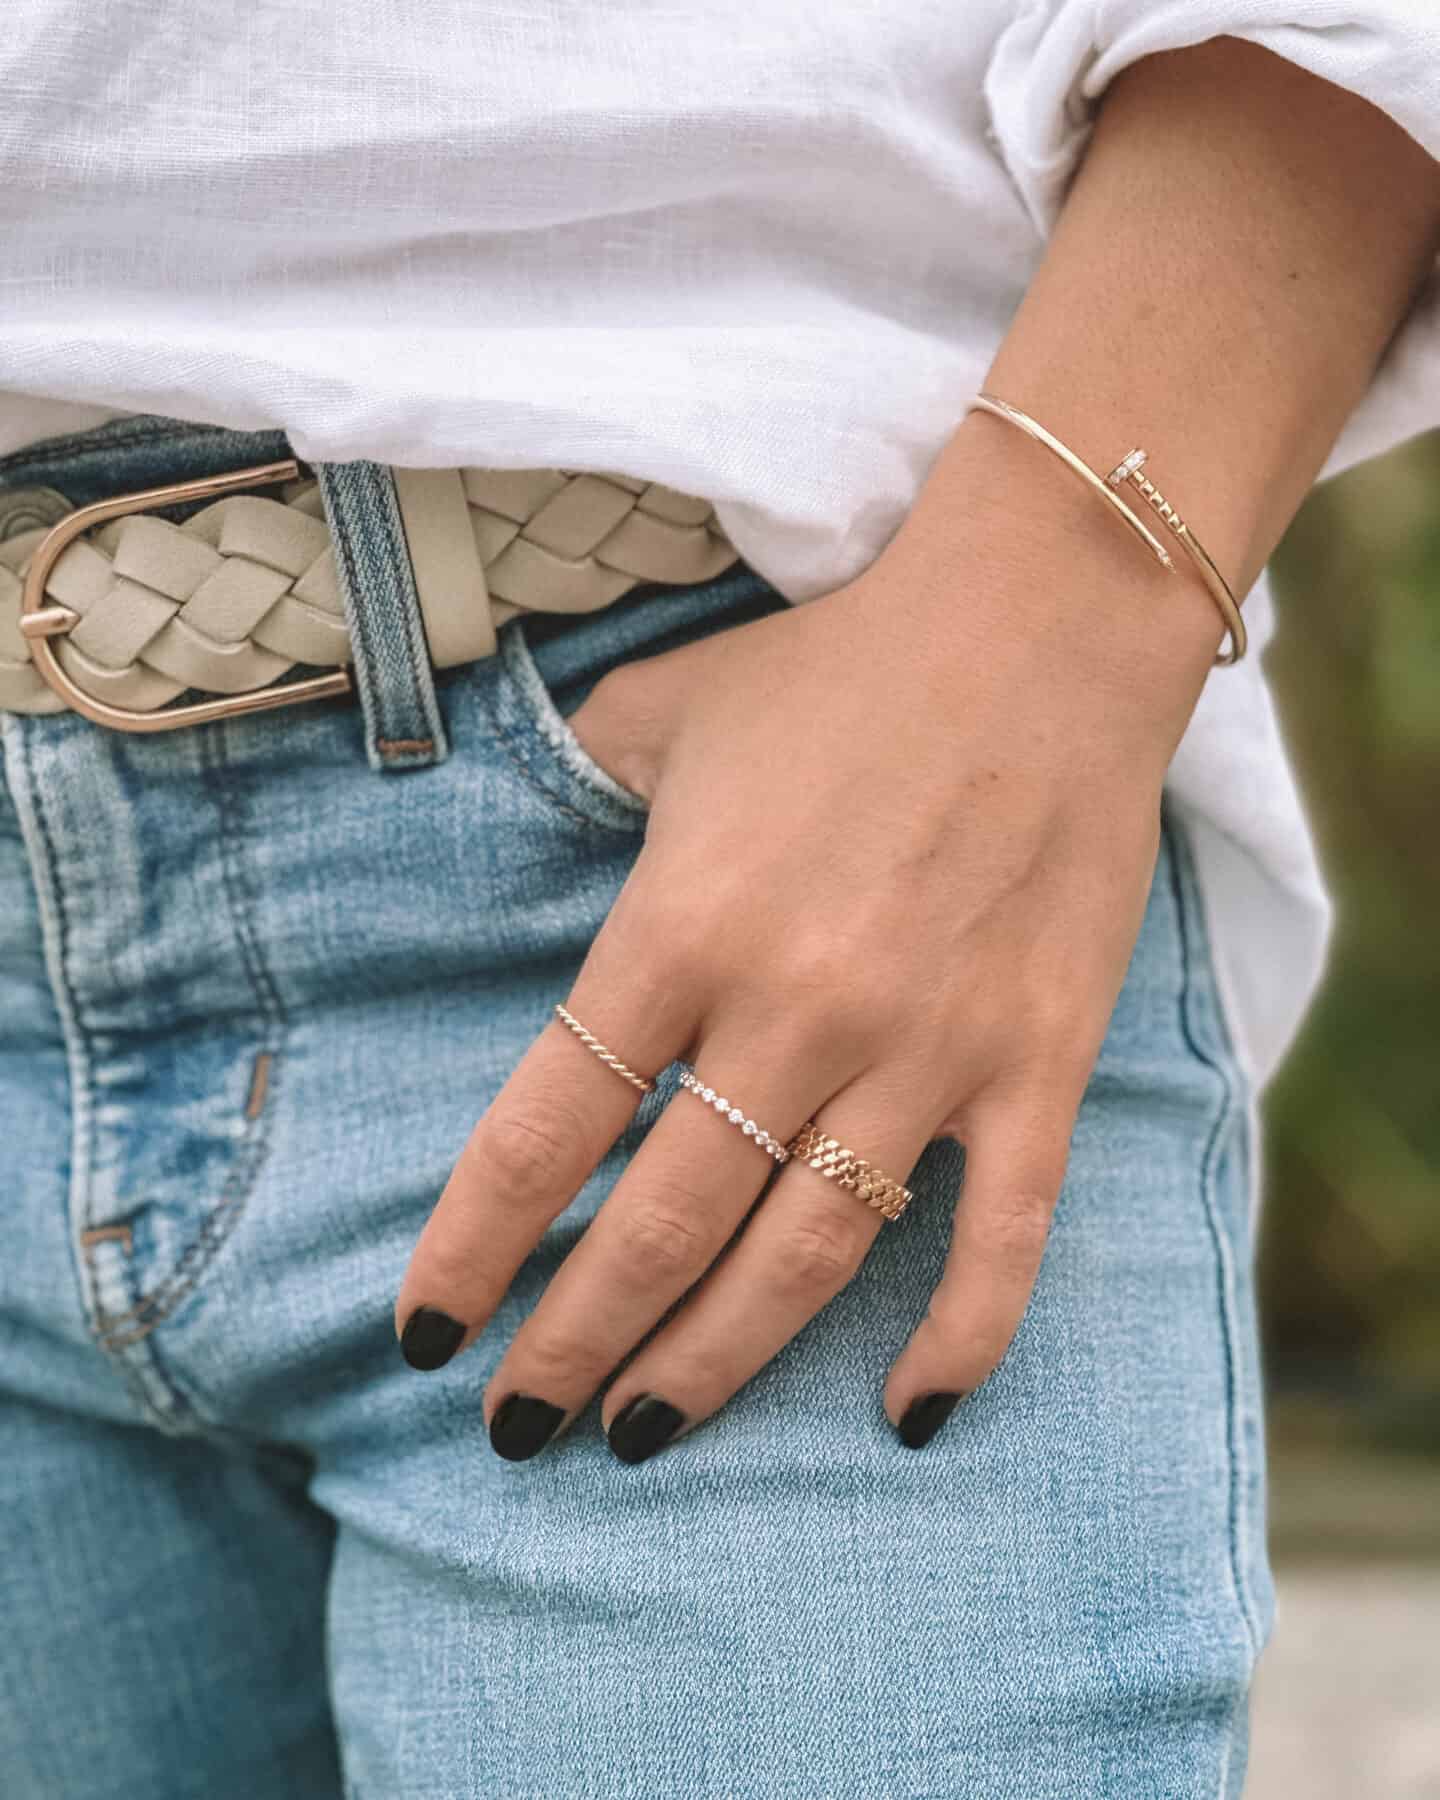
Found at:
[546, 666]
[534, 728]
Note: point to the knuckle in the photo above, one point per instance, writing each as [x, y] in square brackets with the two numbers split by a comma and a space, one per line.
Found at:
[831, 1025]
[1016, 1225]
[448, 1266]
[950, 1311]
[663, 1235]
[525, 1156]
[819, 966]
[680, 948]
[819, 1252]
[662, 939]
[683, 1360]
[975, 1341]
[556, 1360]
[852, 1024]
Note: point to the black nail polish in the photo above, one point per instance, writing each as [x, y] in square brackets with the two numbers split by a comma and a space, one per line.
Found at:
[642, 1427]
[924, 1417]
[522, 1425]
[430, 1338]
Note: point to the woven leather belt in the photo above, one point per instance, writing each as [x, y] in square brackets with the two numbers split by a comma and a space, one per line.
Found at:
[118, 624]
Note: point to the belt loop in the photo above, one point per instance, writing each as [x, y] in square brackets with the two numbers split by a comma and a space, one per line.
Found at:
[393, 674]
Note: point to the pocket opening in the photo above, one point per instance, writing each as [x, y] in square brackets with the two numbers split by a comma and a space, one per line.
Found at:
[555, 754]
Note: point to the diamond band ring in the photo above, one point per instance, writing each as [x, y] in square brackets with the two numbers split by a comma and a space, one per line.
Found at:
[736, 1115]
[809, 1145]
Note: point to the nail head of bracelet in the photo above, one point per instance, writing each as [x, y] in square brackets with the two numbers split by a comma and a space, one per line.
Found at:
[1123, 470]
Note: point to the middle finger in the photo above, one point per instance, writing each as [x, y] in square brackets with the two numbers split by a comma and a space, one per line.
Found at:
[803, 1245]
[678, 1203]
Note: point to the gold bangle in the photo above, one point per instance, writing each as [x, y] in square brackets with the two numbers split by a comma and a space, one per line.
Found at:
[1129, 469]
[1226, 603]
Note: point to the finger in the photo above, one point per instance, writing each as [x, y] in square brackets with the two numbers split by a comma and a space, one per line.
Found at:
[1015, 1156]
[671, 1214]
[804, 1243]
[537, 1144]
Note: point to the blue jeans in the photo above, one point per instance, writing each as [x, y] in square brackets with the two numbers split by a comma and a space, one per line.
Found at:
[254, 992]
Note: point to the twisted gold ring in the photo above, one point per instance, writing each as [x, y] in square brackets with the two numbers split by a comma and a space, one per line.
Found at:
[608, 1057]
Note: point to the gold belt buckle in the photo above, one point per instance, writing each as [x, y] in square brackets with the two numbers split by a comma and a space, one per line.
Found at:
[40, 621]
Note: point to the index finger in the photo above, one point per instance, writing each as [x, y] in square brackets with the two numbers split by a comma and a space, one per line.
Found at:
[532, 1151]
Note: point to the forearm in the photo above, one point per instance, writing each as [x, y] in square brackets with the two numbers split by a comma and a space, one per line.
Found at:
[1237, 247]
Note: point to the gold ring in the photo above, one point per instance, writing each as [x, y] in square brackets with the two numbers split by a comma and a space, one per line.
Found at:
[832, 1160]
[608, 1057]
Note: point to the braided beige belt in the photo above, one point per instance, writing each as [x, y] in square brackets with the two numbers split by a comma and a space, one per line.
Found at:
[118, 623]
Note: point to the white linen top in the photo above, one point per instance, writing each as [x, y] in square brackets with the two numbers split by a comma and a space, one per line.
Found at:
[760, 250]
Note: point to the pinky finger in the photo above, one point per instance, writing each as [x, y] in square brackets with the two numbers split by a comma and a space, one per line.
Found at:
[1015, 1157]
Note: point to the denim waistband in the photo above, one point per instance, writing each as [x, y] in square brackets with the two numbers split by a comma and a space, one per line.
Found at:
[392, 670]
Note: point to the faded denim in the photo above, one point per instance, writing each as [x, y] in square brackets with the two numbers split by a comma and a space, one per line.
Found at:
[253, 996]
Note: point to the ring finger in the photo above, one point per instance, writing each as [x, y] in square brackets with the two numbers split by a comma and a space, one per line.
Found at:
[803, 1245]
[671, 1214]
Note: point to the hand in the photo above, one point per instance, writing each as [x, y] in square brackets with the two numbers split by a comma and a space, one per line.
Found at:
[899, 848]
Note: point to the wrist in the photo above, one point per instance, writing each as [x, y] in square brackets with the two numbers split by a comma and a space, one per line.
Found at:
[1006, 542]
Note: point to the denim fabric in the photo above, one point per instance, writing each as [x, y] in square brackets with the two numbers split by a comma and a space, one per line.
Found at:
[403, 725]
[133, 453]
[252, 999]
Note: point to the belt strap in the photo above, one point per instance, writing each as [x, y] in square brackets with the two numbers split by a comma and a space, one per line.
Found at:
[232, 599]
[393, 675]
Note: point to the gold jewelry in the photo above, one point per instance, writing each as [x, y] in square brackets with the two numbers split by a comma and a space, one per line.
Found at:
[1128, 469]
[1220, 591]
[608, 1057]
[771, 1146]
[836, 1163]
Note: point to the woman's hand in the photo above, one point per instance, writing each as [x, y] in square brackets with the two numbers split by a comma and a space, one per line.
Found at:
[901, 836]
[900, 844]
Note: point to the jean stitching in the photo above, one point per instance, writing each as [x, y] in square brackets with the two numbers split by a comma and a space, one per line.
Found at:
[86, 442]
[371, 693]
[55, 916]
[54, 449]
[376, 491]
[79, 1051]
[520, 738]
[514, 754]
[1227, 1112]
[161, 1303]
[417, 647]
[546, 720]
[517, 740]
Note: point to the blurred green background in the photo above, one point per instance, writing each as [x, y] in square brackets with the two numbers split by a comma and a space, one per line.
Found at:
[1348, 1693]
[1351, 1246]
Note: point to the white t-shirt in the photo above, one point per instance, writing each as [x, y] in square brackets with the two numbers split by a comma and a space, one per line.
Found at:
[761, 250]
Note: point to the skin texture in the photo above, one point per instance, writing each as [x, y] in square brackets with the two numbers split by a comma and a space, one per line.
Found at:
[958, 761]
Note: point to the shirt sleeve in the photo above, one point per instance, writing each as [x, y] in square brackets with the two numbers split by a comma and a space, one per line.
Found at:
[1053, 62]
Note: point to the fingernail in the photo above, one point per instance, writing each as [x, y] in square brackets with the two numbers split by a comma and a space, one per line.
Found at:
[924, 1417]
[522, 1425]
[430, 1338]
[642, 1427]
